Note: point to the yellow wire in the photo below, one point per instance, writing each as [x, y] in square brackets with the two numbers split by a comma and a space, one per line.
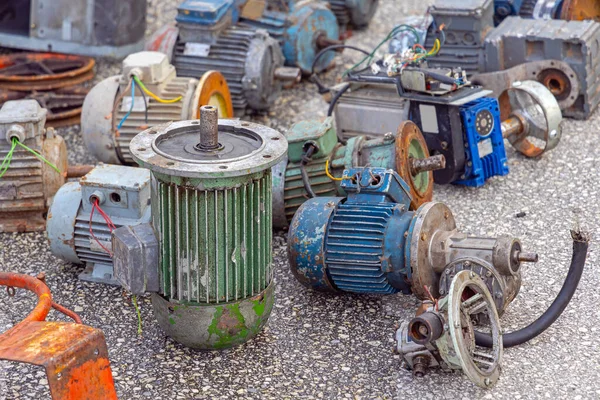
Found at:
[333, 178]
[155, 97]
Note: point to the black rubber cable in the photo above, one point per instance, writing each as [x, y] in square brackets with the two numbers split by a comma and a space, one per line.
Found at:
[313, 76]
[580, 248]
[306, 158]
[336, 98]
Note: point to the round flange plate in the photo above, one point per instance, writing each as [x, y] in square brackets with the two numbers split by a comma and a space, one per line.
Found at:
[170, 149]
[539, 112]
[213, 90]
[44, 71]
[429, 219]
[469, 296]
[410, 144]
[580, 10]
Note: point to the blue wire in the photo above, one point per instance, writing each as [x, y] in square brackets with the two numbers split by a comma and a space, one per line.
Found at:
[131, 107]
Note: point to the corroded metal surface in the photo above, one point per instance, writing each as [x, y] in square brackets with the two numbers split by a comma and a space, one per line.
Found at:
[580, 10]
[215, 326]
[74, 356]
[44, 71]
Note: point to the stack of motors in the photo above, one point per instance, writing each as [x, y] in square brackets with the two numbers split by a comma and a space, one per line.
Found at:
[316, 163]
[370, 242]
[83, 215]
[58, 82]
[148, 93]
[27, 184]
[464, 125]
[302, 29]
[206, 38]
[355, 14]
[473, 44]
[206, 257]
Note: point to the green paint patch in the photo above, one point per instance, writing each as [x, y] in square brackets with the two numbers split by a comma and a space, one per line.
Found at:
[171, 321]
[259, 306]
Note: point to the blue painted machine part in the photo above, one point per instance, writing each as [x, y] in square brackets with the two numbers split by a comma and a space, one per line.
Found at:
[358, 244]
[504, 8]
[297, 33]
[205, 12]
[485, 154]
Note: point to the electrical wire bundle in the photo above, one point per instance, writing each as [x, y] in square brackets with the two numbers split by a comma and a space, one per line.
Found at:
[133, 82]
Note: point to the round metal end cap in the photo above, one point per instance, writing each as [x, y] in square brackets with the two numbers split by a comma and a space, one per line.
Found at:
[173, 149]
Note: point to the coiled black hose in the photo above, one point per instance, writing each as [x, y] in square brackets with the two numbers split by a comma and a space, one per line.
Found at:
[580, 248]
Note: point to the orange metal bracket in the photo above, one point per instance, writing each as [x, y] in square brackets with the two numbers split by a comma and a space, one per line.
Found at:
[74, 356]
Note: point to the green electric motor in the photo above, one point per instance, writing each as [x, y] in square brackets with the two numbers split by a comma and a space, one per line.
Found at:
[207, 258]
[317, 159]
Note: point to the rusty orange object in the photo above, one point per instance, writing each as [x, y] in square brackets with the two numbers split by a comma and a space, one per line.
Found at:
[44, 71]
[411, 144]
[580, 10]
[214, 91]
[74, 356]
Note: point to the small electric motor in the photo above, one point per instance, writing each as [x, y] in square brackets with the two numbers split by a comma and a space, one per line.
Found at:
[302, 28]
[207, 37]
[83, 215]
[207, 256]
[27, 184]
[467, 126]
[371, 242]
[316, 162]
[442, 335]
[148, 93]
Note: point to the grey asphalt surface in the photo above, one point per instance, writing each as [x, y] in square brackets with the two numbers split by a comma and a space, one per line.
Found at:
[340, 346]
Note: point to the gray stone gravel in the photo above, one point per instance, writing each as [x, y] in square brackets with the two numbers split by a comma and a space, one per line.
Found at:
[332, 347]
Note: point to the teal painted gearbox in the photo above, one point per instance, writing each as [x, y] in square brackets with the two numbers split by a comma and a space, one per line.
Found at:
[212, 214]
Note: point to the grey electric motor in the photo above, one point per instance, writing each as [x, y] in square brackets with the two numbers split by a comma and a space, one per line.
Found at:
[79, 236]
[111, 102]
[250, 59]
[475, 45]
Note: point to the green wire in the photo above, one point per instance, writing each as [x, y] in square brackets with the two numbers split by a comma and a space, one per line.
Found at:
[393, 32]
[38, 155]
[139, 315]
[6, 162]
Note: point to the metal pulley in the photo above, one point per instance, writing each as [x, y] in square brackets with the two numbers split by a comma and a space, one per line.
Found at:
[531, 118]
[444, 335]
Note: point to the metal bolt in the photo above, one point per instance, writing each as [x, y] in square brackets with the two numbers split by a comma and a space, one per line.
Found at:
[423, 236]
[553, 134]
[467, 264]
[388, 136]
[487, 382]
[209, 128]
[444, 145]
[330, 204]
[471, 274]
[517, 84]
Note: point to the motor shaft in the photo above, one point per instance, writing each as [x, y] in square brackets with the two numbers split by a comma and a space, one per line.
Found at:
[418, 165]
[512, 126]
[209, 128]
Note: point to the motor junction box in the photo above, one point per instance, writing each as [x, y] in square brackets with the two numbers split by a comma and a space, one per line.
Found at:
[27, 184]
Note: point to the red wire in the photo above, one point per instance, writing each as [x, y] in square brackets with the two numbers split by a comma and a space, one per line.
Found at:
[111, 225]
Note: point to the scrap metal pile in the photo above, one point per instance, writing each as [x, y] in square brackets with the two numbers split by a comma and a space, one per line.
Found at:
[184, 200]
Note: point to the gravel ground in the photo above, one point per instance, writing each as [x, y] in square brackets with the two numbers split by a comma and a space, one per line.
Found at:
[324, 346]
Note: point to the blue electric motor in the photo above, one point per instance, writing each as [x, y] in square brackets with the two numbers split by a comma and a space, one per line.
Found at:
[370, 242]
[302, 31]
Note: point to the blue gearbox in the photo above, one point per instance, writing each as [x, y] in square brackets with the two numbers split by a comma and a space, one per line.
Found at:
[485, 154]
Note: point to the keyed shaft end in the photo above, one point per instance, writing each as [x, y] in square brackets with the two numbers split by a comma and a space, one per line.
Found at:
[209, 128]
[433, 163]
